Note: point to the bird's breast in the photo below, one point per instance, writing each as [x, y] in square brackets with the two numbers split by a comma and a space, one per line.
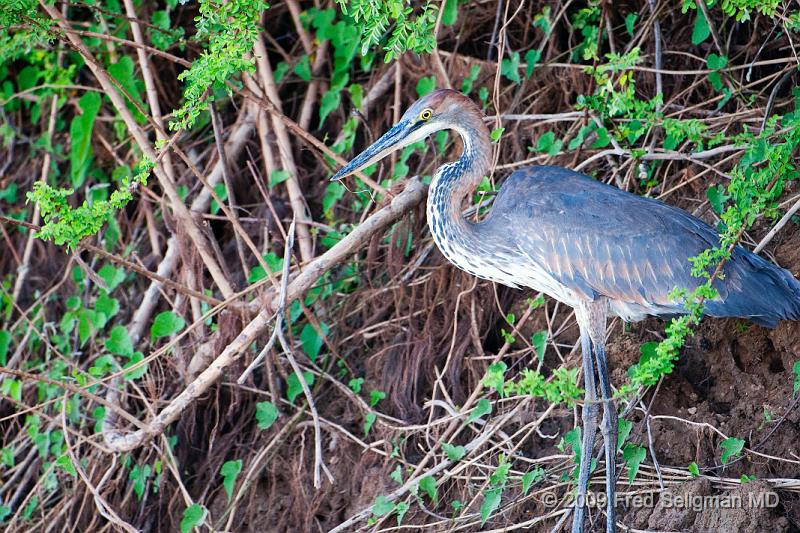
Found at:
[466, 246]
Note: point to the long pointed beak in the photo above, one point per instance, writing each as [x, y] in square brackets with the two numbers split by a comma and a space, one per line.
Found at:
[389, 142]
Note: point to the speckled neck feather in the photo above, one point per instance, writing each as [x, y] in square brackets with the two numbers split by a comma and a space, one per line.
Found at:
[457, 238]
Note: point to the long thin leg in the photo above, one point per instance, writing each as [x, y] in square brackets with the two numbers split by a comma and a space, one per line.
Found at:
[590, 412]
[609, 430]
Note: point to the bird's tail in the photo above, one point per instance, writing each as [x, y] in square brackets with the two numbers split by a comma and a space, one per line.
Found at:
[758, 290]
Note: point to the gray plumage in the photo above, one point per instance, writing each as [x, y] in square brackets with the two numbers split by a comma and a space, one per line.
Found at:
[596, 240]
[590, 245]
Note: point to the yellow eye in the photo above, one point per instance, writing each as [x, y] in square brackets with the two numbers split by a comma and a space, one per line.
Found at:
[425, 115]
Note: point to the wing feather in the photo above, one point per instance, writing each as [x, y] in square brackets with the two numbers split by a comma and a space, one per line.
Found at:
[595, 238]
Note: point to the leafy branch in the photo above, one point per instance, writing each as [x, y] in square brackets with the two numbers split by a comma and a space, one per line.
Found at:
[409, 32]
[756, 183]
[65, 225]
[231, 28]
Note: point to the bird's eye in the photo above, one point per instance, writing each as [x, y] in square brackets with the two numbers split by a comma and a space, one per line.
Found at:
[425, 115]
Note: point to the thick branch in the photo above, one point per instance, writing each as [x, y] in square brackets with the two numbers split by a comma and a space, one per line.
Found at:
[413, 194]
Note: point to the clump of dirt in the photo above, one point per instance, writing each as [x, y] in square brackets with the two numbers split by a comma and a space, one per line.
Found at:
[697, 506]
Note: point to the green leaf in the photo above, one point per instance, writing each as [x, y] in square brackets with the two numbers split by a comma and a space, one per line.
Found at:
[630, 22]
[355, 384]
[303, 68]
[278, 176]
[454, 453]
[166, 323]
[112, 275]
[65, 462]
[529, 478]
[375, 396]
[229, 472]
[163, 39]
[469, 81]
[701, 30]
[369, 421]
[333, 193]
[139, 371]
[7, 456]
[795, 370]
[603, 138]
[717, 198]
[12, 388]
[547, 143]
[139, 475]
[396, 475]
[428, 484]
[193, 516]
[539, 342]
[500, 475]
[450, 12]
[280, 71]
[573, 439]
[426, 85]
[510, 67]
[119, 342]
[87, 321]
[9, 194]
[5, 343]
[496, 133]
[293, 386]
[80, 134]
[312, 342]
[483, 407]
[266, 414]
[123, 72]
[633, 455]
[107, 305]
[483, 94]
[694, 470]
[382, 506]
[495, 378]
[274, 264]
[222, 192]
[356, 95]
[328, 103]
[716, 62]
[716, 81]
[625, 427]
[731, 447]
[401, 509]
[542, 20]
[532, 57]
[27, 513]
[28, 77]
[491, 501]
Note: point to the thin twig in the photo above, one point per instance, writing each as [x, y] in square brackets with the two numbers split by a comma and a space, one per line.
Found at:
[281, 309]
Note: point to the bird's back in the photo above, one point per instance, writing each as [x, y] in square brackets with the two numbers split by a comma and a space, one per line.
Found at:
[599, 241]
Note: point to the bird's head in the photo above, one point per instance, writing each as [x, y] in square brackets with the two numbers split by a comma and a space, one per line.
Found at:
[441, 109]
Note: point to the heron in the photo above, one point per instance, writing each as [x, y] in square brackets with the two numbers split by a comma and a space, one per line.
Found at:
[595, 247]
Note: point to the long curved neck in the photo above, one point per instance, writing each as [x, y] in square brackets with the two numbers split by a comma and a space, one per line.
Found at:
[453, 181]
[456, 237]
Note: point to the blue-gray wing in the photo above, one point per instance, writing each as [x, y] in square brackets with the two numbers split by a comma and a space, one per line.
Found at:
[598, 238]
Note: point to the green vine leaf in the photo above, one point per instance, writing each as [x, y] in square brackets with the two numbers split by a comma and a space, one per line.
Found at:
[731, 447]
[193, 516]
[166, 324]
[229, 472]
[633, 455]
[80, 132]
